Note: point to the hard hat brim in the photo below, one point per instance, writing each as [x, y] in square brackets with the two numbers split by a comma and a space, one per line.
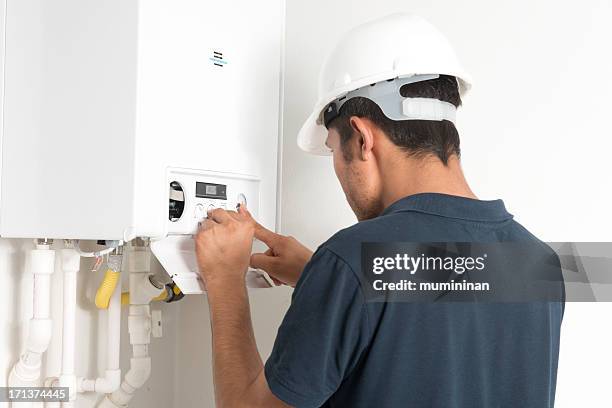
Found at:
[312, 136]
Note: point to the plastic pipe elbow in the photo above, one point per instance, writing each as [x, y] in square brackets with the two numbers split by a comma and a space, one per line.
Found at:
[103, 385]
[110, 383]
[139, 373]
[136, 377]
[26, 372]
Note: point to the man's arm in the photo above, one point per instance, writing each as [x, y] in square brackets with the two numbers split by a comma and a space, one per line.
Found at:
[223, 249]
[237, 367]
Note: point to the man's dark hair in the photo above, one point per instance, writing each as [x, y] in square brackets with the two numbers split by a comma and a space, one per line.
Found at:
[416, 137]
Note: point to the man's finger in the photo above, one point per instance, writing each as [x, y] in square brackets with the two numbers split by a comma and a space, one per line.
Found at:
[206, 224]
[242, 210]
[220, 215]
[265, 235]
[262, 261]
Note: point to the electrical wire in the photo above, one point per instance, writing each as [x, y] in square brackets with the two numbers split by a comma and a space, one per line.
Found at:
[96, 254]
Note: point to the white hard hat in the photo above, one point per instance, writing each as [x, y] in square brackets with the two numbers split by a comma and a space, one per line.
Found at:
[401, 47]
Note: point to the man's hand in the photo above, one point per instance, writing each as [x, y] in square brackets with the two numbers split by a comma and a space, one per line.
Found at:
[223, 246]
[286, 258]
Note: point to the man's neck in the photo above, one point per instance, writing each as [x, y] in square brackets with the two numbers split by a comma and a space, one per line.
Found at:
[410, 176]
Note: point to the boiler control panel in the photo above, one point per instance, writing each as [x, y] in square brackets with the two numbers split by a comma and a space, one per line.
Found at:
[192, 194]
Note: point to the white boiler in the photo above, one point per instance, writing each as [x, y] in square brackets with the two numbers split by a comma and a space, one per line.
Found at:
[130, 118]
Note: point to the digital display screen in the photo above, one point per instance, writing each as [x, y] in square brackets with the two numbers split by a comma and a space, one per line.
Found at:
[211, 190]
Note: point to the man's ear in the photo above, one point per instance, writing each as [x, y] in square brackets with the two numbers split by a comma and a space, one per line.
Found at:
[365, 136]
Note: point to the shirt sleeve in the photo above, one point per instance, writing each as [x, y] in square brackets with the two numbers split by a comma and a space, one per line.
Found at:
[322, 336]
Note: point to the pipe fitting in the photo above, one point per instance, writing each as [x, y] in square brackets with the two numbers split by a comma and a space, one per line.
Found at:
[26, 372]
[139, 325]
[39, 335]
[140, 242]
[103, 385]
[140, 370]
[42, 261]
[142, 290]
[110, 383]
[71, 260]
[139, 260]
[135, 378]
[43, 243]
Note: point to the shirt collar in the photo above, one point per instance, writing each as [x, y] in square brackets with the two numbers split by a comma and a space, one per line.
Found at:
[450, 206]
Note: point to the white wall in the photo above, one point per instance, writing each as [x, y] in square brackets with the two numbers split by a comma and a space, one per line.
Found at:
[533, 128]
[534, 132]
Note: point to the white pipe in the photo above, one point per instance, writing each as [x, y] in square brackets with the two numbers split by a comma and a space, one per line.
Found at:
[70, 266]
[26, 372]
[114, 330]
[42, 296]
[112, 376]
[139, 327]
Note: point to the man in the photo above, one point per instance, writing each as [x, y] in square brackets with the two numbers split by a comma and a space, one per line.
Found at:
[389, 92]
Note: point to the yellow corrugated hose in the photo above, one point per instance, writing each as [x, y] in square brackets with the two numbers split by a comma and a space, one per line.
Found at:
[107, 288]
[161, 296]
[125, 297]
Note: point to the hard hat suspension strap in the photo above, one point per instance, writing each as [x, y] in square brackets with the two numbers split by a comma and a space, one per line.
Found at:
[386, 95]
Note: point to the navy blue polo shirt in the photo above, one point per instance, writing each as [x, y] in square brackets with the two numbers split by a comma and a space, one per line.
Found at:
[335, 349]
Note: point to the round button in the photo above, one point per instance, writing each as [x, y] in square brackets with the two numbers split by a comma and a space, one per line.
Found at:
[199, 211]
[210, 208]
